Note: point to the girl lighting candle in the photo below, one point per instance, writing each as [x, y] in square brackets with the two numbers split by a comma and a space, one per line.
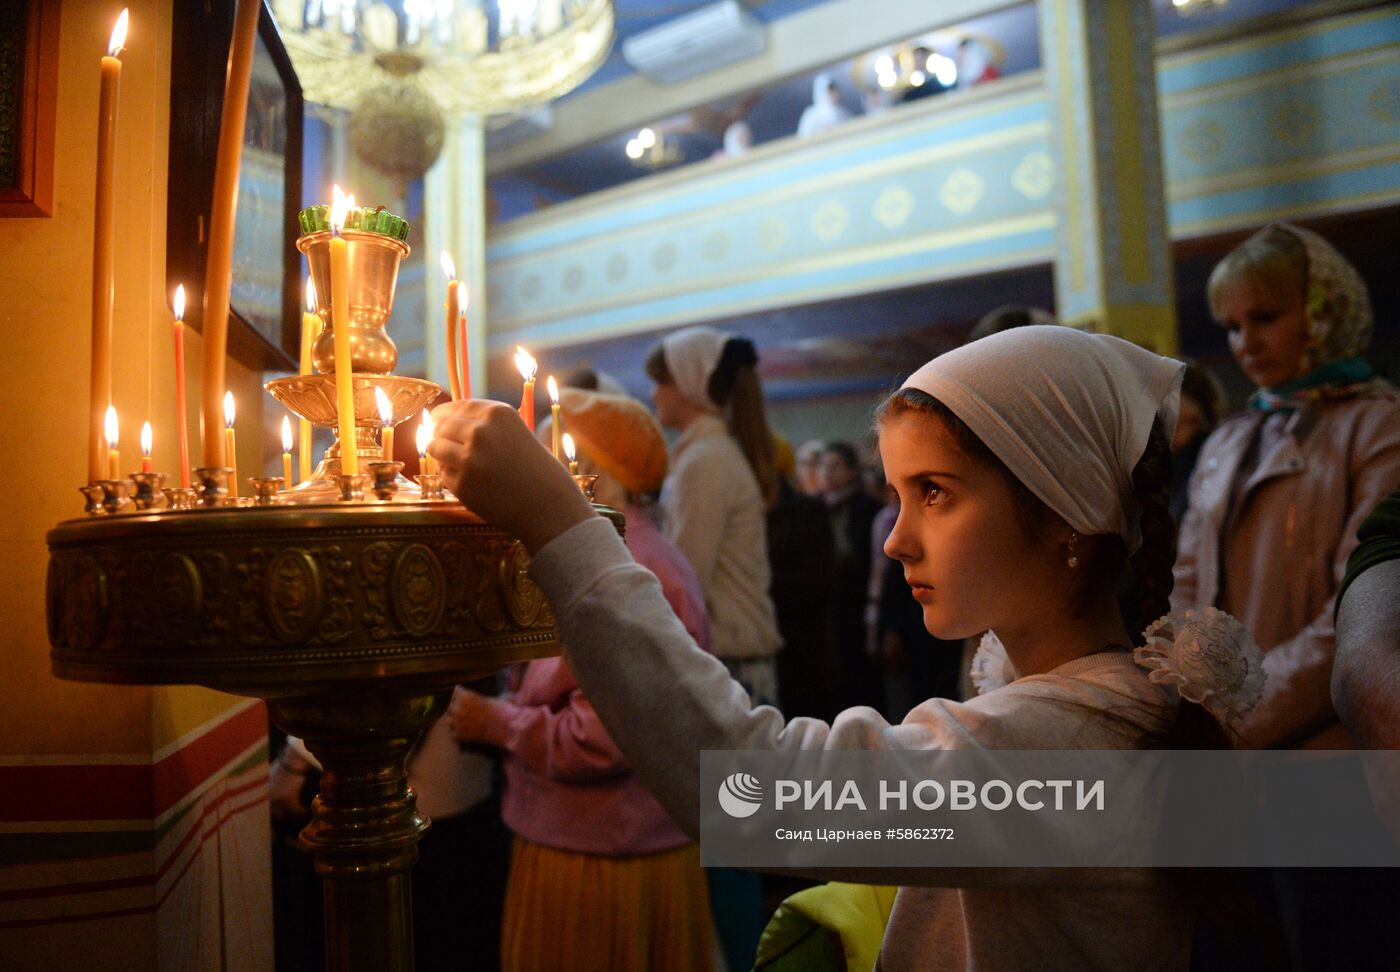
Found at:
[287, 451]
[1008, 455]
[181, 428]
[340, 328]
[527, 366]
[229, 444]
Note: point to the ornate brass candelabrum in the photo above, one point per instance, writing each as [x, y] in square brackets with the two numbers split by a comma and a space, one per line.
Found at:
[352, 605]
[375, 246]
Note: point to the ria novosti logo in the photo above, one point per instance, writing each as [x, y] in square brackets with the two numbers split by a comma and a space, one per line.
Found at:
[740, 795]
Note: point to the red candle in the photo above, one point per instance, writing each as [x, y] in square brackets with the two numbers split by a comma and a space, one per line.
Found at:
[182, 432]
[454, 380]
[462, 328]
[145, 447]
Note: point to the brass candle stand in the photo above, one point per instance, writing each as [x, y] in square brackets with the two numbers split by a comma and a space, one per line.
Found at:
[352, 604]
[375, 247]
[353, 620]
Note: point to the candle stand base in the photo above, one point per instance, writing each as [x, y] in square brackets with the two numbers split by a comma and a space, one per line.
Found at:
[150, 494]
[353, 620]
[115, 495]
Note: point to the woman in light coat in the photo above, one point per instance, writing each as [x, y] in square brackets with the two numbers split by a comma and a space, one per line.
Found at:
[1279, 491]
[1275, 502]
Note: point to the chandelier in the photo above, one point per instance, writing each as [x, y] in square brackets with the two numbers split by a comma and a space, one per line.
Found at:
[466, 56]
[893, 72]
[649, 149]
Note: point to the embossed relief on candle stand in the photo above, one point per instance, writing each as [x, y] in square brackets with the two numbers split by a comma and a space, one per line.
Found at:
[262, 597]
[418, 589]
[524, 600]
[294, 595]
[182, 594]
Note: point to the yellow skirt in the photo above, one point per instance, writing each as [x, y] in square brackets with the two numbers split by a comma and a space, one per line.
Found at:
[568, 912]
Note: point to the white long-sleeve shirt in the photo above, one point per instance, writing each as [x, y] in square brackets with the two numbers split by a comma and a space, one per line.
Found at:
[715, 515]
[664, 700]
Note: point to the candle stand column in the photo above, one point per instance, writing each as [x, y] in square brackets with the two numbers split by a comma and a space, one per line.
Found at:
[365, 828]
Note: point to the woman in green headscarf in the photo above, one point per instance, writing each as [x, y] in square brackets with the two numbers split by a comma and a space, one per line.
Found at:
[1280, 490]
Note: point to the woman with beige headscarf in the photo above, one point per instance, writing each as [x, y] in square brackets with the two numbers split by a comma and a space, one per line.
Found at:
[1279, 491]
[1275, 502]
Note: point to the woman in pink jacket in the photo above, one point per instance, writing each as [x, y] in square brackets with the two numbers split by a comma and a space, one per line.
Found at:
[601, 879]
[1279, 491]
[1275, 502]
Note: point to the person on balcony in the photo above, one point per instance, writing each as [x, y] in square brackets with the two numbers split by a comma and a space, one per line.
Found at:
[825, 111]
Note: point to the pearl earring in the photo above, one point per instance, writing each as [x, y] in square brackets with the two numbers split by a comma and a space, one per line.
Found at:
[1073, 555]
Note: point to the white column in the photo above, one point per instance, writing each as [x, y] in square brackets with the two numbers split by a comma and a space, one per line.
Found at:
[1113, 266]
[454, 197]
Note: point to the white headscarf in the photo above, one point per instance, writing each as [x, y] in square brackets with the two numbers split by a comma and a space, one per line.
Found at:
[973, 60]
[1339, 305]
[609, 385]
[691, 357]
[1067, 412]
[738, 139]
[823, 112]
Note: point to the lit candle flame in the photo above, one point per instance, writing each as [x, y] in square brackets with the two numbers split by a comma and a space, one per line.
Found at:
[525, 362]
[109, 426]
[146, 439]
[286, 434]
[180, 302]
[310, 291]
[425, 433]
[386, 411]
[553, 390]
[448, 267]
[341, 204]
[118, 36]
[228, 409]
[569, 447]
[461, 297]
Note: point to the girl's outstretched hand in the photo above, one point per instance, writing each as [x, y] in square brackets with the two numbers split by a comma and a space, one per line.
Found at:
[490, 459]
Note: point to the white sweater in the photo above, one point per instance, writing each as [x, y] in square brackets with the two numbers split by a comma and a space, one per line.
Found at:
[663, 700]
[715, 515]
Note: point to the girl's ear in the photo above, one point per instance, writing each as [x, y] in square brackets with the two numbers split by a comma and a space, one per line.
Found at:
[1060, 533]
